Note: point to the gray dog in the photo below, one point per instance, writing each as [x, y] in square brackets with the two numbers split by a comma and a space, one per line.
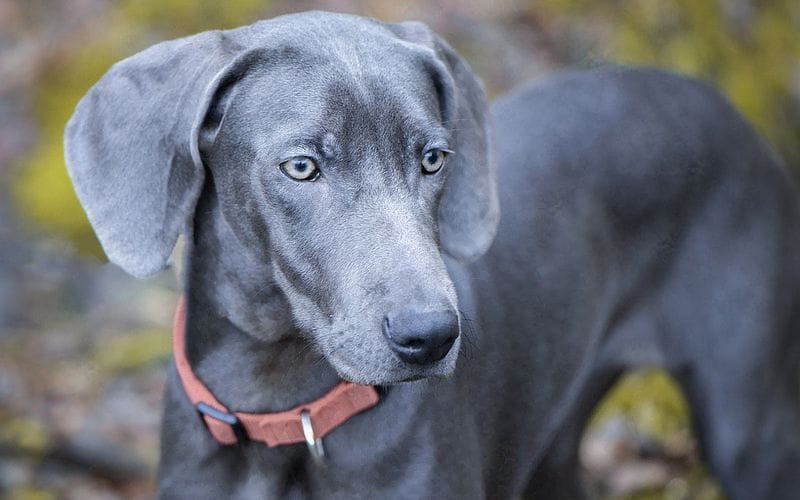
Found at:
[335, 181]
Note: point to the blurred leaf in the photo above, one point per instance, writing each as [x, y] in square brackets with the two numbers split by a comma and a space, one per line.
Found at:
[654, 402]
[30, 493]
[42, 191]
[175, 18]
[25, 435]
[134, 351]
[650, 398]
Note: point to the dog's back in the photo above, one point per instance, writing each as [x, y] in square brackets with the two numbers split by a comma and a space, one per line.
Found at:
[645, 223]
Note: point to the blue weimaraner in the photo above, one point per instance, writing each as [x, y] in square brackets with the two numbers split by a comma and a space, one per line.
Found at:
[337, 187]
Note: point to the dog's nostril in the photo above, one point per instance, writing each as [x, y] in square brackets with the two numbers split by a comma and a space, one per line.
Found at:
[421, 336]
[413, 343]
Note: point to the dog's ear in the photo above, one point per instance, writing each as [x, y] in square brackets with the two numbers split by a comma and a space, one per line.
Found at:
[469, 209]
[132, 145]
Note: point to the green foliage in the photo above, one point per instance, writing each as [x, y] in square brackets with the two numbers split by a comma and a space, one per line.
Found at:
[23, 434]
[175, 18]
[749, 49]
[654, 402]
[133, 351]
[651, 399]
[30, 493]
[43, 191]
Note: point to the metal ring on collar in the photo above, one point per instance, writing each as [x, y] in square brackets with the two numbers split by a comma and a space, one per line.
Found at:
[314, 444]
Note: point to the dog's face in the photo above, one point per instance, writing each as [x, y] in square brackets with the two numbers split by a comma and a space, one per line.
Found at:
[331, 167]
[347, 154]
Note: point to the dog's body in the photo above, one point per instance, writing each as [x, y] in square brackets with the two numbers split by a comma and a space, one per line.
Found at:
[660, 232]
[643, 223]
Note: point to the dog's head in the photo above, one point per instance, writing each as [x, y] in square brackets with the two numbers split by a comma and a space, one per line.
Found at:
[344, 152]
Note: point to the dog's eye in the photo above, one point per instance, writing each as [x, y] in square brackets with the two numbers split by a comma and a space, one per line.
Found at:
[300, 168]
[432, 160]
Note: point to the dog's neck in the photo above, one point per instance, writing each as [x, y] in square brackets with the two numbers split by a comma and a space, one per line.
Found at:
[240, 338]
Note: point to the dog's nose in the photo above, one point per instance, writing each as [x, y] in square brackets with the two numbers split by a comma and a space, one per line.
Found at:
[421, 337]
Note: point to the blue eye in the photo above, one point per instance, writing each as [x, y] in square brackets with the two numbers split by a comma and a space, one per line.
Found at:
[432, 160]
[300, 168]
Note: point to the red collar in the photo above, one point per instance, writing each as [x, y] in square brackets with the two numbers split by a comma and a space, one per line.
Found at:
[274, 429]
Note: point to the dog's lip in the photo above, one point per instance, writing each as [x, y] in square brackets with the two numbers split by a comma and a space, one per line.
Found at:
[346, 371]
[405, 380]
[390, 382]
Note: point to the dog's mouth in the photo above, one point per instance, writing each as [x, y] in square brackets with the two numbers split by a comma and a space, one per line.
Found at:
[413, 378]
[389, 381]
[383, 367]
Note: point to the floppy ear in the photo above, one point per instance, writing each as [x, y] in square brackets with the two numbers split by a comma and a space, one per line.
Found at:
[132, 146]
[469, 209]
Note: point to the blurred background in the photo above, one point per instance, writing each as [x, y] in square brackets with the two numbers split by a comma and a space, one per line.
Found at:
[83, 348]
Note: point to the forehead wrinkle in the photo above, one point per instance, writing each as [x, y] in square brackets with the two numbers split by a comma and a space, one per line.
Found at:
[350, 116]
[352, 64]
[409, 122]
[412, 97]
[287, 140]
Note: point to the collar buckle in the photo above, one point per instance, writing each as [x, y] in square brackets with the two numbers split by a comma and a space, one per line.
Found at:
[226, 418]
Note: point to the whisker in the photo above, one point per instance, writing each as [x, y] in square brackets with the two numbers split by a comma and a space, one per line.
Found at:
[467, 332]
